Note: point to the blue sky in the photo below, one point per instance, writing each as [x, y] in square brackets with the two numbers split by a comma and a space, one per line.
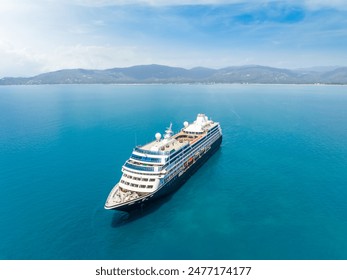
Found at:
[45, 35]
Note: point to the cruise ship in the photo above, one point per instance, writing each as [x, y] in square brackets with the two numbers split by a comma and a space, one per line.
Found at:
[163, 165]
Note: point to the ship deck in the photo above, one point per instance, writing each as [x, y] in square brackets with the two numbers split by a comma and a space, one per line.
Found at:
[176, 142]
[119, 196]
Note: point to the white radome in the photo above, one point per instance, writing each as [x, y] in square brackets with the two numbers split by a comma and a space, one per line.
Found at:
[185, 124]
[157, 136]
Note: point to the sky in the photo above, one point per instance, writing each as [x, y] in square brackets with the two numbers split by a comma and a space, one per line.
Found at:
[38, 36]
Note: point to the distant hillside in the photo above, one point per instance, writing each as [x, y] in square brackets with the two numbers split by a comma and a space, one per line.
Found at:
[165, 74]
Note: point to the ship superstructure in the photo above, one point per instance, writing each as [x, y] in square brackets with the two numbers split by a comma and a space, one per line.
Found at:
[163, 165]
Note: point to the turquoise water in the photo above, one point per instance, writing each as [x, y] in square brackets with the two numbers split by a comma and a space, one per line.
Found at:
[277, 188]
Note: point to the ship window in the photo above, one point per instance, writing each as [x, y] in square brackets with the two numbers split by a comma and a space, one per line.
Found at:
[151, 180]
[122, 181]
[149, 186]
[127, 183]
[145, 179]
[142, 186]
[129, 177]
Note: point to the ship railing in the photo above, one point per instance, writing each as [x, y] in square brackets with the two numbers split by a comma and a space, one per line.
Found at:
[143, 168]
[146, 159]
[137, 149]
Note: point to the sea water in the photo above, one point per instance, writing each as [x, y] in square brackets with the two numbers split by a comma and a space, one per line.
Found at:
[276, 189]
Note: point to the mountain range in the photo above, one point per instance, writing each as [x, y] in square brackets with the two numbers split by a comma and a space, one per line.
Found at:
[166, 74]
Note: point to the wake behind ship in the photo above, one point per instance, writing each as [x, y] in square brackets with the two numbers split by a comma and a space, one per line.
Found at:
[160, 167]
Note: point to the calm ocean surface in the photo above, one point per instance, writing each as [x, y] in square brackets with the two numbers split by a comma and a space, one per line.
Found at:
[277, 188]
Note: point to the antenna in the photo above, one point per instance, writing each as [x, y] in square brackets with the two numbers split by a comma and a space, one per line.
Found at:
[168, 131]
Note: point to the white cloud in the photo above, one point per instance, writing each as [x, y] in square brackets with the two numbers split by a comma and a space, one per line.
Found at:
[90, 57]
[318, 4]
[46, 35]
[28, 62]
[312, 4]
[153, 2]
[18, 61]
